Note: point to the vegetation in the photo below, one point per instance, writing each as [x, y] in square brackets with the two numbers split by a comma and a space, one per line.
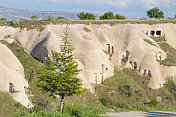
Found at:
[44, 104]
[86, 16]
[170, 84]
[127, 90]
[155, 13]
[60, 75]
[171, 54]
[50, 17]
[8, 107]
[158, 39]
[34, 17]
[110, 16]
[60, 18]
[40, 24]
[170, 51]
[70, 110]
[149, 42]
[86, 29]
[117, 16]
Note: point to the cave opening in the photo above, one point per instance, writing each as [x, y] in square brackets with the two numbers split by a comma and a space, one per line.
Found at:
[158, 33]
[11, 89]
[135, 65]
[152, 32]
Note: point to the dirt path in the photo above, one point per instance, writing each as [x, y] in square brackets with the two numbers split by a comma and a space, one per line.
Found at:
[142, 114]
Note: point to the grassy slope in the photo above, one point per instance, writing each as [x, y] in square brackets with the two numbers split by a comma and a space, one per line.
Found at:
[127, 87]
[32, 69]
[8, 107]
[170, 51]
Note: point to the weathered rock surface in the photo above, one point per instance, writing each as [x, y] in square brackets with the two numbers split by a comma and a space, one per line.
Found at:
[12, 76]
[103, 47]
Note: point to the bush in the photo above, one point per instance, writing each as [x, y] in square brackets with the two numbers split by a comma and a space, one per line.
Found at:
[13, 22]
[117, 16]
[86, 29]
[153, 103]
[125, 89]
[83, 111]
[109, 15]
[170, 84]
[105, 101]
[50, 18]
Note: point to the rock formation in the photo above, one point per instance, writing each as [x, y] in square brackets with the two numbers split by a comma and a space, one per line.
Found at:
[103, 47]
[12, 76]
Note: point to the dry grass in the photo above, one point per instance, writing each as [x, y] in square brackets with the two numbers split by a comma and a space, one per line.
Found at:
[39, 24]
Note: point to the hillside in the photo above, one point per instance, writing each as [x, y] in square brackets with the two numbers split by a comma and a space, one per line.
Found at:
[125, 64]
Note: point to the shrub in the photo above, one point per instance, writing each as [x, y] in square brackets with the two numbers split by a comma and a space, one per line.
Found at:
[117, 16]
[153, 103]
[13, 22]
[50, 18]
[125, 89]
[170, 84]
[105, 101]
[86, 29]
[83, 111]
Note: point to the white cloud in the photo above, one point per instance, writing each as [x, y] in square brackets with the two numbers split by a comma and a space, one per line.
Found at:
[155, 3]
[121, 3]
[114, 3]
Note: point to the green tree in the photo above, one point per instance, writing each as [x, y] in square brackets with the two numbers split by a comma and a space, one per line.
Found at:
[155, 13]
[109, 15]
[86, 16]
[117, 16]
[81, 16]
[60, 75]
[34, 17]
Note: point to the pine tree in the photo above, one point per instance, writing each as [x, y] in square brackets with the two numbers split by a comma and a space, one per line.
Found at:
[60, 75]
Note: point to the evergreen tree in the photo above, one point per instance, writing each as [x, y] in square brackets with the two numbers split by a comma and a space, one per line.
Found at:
[60, 75]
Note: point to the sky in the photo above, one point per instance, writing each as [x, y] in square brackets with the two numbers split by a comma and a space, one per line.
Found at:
[135, 8]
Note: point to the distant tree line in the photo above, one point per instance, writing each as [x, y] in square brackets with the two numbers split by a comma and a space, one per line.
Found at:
[107, 16]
